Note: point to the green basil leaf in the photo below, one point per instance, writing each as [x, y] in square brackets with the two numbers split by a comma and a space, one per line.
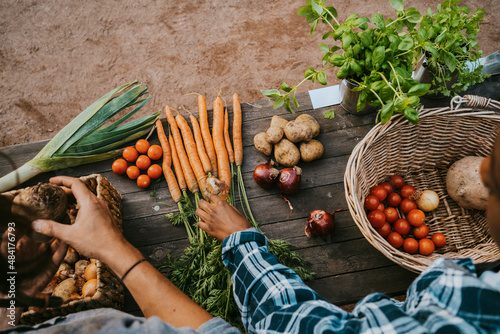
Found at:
[378, 20]
[295, 103]
[361, 101]
[321, 78]
[271, 92]
[378, 56]
[330, 114]
[313, 27]
[411, 115]
[386, 112]
[336, 59]
[323, 47]
[279, 102]
[362, 23]
[304, 10]
[413, 15]
[377, 85]
[450, 60]
[343, 71]
[398, 5]
[317, 8]
[285, 87]
[406, 44]
[419, 89]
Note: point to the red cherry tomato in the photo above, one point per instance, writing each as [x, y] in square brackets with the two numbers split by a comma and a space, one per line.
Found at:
[371, 202]
[119, 166]
[410, 245]
[379, 192]
[407, 190]
[391, 214]
[416, 217]
[407, 205]
[130, 154]
[402, 226]
[396, 181]
[438, 239]
[387, 187]
[421, 231]
[143, 181]
[395, 239]
[133, 172]
[426, 247]
[393, 199]
[376, 218]
[381, 207]
[384, 230]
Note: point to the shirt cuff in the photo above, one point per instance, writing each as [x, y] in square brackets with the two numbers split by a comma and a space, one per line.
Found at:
[241, 237]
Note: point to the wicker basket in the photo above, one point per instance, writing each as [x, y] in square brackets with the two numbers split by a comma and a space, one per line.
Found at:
[422, 154]
[110, 291]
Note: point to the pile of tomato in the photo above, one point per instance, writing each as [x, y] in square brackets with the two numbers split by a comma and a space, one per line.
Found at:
[396, 217]
[141, 158]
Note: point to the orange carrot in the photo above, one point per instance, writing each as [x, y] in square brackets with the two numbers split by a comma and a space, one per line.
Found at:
[205, 160]
[205, 132]
[191, 150]
[227, 139]
[237, 137]
[220, 147]
[177, 165]
[183, 158]
[167, 158]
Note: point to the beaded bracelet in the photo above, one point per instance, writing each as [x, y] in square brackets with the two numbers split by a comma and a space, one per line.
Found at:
[130, 269]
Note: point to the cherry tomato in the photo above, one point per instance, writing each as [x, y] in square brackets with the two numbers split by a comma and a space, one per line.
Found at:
[376, 218]
[379, 192]
[133, 172]
[130, 154]
[142, 146]
[143, 181]
[155, 152]
[384, 230]
[410, 245]
[421, 231]
[407, 205]
[416, 217]
[154, 171]
[119, 166]
[438, 239]
[407, 190]
[371, 202]
[393, 199]
[381, 207]
[391, 214]
[143, 162]
[426, 247]
[395, 239]
[402, 226]
[387, 187]
[396, 181]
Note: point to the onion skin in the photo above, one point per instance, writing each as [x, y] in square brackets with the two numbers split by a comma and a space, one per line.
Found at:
[428, 200]
[289, 180]
[320, 223]
[265, 175]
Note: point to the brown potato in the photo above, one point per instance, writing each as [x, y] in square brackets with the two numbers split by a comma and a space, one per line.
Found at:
[80, 267]
[276, 130]
[71, 256]
[311, 150]
[65, 289]
[261, 144]
[311, 121]
[297, 131]
[286, 153]
[464, 184]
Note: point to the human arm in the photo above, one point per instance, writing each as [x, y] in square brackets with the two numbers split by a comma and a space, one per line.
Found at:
[94, 235]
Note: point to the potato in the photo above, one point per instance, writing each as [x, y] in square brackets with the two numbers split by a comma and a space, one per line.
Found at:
[311, 150]
[80, 267]
[286, 153]
[464, 184]
[311, 121]
[64, 271]
[297, 131]
[276, 130]
[71, 256]
[261, 144]
[65, 289]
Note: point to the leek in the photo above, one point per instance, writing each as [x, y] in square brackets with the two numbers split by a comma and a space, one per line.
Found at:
[84, 141]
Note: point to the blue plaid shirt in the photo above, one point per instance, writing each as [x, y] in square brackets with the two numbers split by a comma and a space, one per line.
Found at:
[447, 298]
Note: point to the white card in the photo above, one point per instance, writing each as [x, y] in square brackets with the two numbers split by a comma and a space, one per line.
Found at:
[324, 97]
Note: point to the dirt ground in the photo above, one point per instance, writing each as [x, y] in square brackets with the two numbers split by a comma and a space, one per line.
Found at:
[57, 57]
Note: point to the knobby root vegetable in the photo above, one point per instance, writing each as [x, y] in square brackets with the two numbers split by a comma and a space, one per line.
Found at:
[80, 267]
[65, 289]
[286, 153]
[276, 130]
[311, 150]
[464, 184]
[311, 121]
[71, 256]
[297, 131]
[261, 144]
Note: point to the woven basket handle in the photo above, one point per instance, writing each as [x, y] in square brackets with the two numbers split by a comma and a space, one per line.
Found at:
[474, 101]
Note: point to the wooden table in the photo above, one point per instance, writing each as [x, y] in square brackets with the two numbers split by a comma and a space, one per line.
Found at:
[347, 266]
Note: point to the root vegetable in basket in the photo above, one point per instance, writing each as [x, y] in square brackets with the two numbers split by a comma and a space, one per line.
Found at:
[464, 184]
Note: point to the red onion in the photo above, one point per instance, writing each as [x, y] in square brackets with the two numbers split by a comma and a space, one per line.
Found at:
[265, 175]
[320, 223]
[289, 180]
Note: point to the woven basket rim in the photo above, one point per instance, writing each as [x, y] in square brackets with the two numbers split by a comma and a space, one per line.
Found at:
[415, 263]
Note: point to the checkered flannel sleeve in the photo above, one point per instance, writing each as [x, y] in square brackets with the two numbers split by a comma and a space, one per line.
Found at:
[273, 299]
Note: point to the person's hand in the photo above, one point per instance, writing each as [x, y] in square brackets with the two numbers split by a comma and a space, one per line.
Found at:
[94, 234]
[219, 218]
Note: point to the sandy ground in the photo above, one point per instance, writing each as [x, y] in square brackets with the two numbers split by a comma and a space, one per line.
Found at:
[57, 57]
